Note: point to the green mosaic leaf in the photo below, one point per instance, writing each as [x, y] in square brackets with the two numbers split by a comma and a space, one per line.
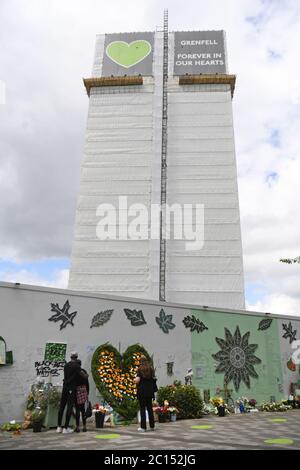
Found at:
[194, 324]
[136, 317]
[165, 321]
[265, 324]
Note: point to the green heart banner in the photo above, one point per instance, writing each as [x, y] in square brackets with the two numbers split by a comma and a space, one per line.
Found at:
[128, 55]
[114, 375]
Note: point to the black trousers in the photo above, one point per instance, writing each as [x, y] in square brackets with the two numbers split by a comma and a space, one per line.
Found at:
[80, 409]
[67, 398]
[146, 403]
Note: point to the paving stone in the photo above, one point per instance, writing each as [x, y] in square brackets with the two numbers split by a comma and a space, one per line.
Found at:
[231, 432]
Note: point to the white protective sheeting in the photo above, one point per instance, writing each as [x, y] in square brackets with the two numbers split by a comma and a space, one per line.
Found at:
[122, 158]
[202, 170]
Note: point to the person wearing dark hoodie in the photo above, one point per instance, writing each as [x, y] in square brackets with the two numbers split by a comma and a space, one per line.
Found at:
[71, 376]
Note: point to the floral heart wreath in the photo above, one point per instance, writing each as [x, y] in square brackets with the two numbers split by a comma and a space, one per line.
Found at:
[114, 375]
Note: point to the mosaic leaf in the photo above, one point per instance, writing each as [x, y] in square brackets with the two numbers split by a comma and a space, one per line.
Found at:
[194, 324]
[165, 321]
[101, 318]
[62, 314]
[136, 317]
[265, 324]
[289, 332]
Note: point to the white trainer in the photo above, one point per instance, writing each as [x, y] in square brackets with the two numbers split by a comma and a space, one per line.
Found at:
[141, 430]
[68, 431]
[59, 429]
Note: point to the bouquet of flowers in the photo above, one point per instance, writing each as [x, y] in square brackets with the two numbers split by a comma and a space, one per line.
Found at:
[217, 401]
[100, 409]
[252, 403]
[172, 410]
[278, 406]
[161, 410]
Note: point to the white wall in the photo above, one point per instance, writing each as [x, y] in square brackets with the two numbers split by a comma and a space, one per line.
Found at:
[25, 327]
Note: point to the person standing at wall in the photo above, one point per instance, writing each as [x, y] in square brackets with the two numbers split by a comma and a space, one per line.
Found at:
[146, 386]
[71, 376]
[82, 395]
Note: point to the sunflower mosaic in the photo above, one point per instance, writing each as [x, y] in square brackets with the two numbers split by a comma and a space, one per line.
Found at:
[236, 358]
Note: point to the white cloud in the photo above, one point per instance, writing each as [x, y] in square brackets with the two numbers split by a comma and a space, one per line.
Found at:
[276, 303]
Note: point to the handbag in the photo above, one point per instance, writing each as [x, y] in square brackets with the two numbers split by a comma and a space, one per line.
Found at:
[81, 394]
[88, 409]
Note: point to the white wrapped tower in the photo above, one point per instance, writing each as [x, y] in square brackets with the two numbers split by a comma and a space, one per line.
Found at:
[133, 123]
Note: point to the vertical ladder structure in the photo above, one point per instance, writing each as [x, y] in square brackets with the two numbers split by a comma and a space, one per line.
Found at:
[163, 195]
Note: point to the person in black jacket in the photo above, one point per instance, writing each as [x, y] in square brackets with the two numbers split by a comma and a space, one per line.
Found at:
[82, 395]
[71, 374]
[145, 392]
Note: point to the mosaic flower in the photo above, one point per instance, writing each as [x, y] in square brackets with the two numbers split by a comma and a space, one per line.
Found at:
[236, 358]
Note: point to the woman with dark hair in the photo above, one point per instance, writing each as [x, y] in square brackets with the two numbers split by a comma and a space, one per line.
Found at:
[82, 393]
[146, 386]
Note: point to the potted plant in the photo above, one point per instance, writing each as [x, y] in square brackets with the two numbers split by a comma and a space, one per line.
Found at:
[100, 412]
[37, 419]
[173, 413]
[11, 426]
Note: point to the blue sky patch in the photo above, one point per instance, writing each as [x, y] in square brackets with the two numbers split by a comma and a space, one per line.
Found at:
[45, 269]
[254, 292]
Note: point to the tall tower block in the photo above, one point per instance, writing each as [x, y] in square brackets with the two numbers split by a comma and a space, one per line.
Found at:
[154, 97]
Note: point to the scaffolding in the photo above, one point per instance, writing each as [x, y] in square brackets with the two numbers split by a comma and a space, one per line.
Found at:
[163, 194]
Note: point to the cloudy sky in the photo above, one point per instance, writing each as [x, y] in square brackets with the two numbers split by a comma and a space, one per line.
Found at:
[47, 46]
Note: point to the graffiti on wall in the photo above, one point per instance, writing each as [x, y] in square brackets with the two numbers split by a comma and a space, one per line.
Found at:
[47, 368]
